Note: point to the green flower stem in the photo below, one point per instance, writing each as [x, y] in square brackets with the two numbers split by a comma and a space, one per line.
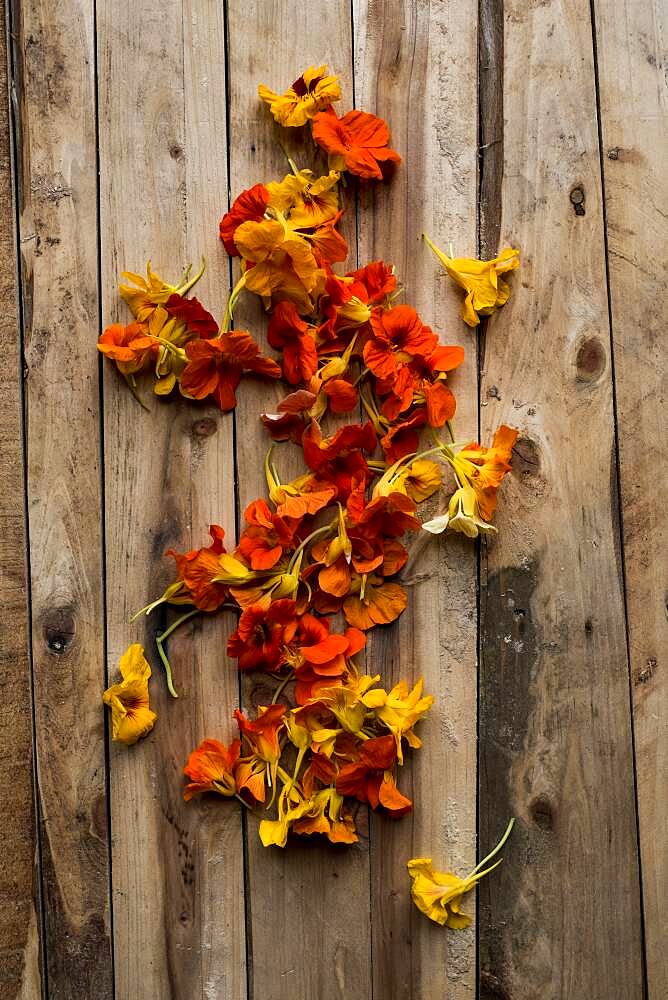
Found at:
[496, 850]
[159, 639]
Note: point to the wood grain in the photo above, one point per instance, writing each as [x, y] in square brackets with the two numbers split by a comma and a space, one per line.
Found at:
[177, 867]
[562, 917]
[415, 64]
[58, 233]
[19, 898]
[632, 55]
[309, 904]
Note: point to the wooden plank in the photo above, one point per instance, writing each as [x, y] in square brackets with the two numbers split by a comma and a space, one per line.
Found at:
[308, 905]
[415, 64]
[634, 127]
[19, 881]
[58, 233]
[562, 917]
[177, 868]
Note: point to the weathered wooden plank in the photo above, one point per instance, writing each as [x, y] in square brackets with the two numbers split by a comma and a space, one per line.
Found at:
[415, 64]
[308, 905]
[177, 868]
[58, 232]
[561, 918]
[19, 879]
[631, 47]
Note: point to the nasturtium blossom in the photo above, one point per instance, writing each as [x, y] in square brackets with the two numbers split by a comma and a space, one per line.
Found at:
[210, 768]
[358, 142]
[214, 367]
[310, 93]
[480, 279]
[316, 561]
[131, 717]
[439, 894]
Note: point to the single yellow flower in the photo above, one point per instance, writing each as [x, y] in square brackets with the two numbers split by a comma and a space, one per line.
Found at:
[131, 717]
[485, 290]
[304, 200]
[463, 515]
[439, 894]
[400, 710]
[313, 91]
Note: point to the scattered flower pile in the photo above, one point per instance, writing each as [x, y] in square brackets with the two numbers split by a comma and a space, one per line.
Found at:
[317, 563]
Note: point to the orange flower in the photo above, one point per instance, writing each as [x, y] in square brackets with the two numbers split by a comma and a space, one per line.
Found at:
[129, 346]
[328, 815]
[197, 571]
[358, 142]
[263, 542]
[215, 367]
[250, 206]
[376, 603]
[310, 93]
[280, 263]
[370, 780]
[211, 769]
[262, 737]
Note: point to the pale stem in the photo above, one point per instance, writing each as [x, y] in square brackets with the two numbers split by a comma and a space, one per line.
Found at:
[159, 639]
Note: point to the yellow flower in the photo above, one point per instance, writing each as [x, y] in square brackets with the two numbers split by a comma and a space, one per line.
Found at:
[439, 894]
[152, 291]
[131, 718]
[311, 92]
[400, 710]
[485, 290]
[463, 515]
[306, 202]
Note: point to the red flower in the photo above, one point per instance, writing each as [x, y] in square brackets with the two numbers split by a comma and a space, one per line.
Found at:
[191, 312]
[399, 335]
[262, 634]
[250, 206]
[288, 332]
[289, 422]
[215, 367]
[339, 459]
[378, 280]
[358, 142]
[370, 780]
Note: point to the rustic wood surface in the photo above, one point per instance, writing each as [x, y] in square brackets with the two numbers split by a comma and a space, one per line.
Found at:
[541, 125]
[632, 50]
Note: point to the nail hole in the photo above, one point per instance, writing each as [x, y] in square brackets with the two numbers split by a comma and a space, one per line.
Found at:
[577, 197]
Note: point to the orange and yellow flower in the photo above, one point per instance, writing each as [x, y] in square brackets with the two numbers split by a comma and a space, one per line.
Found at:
[309, 94]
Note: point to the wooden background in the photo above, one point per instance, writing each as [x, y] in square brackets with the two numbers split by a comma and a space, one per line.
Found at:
[541, 123]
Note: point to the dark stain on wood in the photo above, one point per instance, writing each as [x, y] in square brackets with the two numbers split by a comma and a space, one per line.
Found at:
[509, 657]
